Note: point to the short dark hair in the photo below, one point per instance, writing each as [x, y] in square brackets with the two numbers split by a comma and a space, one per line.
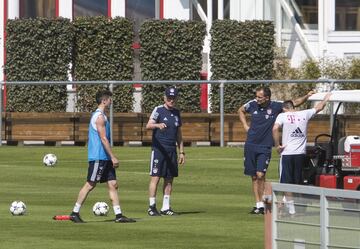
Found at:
[288, 104]
[101, 95]
[266, 90]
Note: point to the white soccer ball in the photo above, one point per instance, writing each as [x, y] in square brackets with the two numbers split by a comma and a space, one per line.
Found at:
[100, 208]
[49, 160]
[17, 208]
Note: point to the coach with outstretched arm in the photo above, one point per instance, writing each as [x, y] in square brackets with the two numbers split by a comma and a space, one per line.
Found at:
[259, 142]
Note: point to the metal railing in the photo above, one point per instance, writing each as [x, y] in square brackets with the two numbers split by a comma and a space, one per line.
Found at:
[222, 84]
[324, 218]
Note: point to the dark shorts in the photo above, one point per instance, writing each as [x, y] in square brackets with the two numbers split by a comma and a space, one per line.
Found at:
[163, 163]
[290, 168]
[256, 159]
[101, 171]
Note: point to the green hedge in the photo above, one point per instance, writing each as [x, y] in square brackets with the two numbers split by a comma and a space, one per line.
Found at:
[37, 50]
[240, 51]
[103, 52]
[171, 50]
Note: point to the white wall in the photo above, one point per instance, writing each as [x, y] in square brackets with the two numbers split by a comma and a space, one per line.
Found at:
[294, 49]
[242, 10]
[343, 44]
[177, 9]
[66, 9]
[13, 9]
[13, 12]
[339, 45]
[117, 8]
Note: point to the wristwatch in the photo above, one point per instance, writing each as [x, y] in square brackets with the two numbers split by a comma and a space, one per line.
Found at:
[182, 152]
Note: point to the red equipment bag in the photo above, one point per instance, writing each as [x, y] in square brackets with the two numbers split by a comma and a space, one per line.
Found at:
[326, 181]
[352, 182]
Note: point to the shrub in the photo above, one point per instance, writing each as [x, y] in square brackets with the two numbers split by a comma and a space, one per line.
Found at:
[171, 50]
[38, 50]
[240, 51]
[102, 51]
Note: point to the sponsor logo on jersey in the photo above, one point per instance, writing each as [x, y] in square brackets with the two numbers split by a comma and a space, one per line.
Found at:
[155, 115]
[269, 111]
[297, 133]
[291, 118]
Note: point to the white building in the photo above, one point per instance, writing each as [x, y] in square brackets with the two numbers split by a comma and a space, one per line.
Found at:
[306, 28]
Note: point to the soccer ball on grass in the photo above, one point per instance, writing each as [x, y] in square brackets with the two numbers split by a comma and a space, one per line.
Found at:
[49, 160]
[100, 208]
[17, 208]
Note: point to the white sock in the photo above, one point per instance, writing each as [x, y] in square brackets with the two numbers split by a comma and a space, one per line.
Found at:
[77, 208]
[259, 204]
[290, 205]
[117, 210]
[152, 201]
[166, 203]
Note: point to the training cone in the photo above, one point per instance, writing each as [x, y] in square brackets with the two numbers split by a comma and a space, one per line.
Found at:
[61, 217]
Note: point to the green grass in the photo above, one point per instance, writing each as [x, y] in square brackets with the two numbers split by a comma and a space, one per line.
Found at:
[211, 192]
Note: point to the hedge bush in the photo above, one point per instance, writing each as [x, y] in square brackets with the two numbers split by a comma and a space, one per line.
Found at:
[240, 51]
[171, 50]
[102, 51]
[37, 50]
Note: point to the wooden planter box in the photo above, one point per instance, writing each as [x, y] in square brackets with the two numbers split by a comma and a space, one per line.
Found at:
[127, 127]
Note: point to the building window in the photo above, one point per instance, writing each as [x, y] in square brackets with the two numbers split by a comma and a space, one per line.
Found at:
[306, 13]
[90, 8]
[347, 15]
[203, 4]
[226, 9]
[37, 8]
[140, 10]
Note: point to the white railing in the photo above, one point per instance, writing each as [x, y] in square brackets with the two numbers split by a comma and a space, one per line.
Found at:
[324, 218]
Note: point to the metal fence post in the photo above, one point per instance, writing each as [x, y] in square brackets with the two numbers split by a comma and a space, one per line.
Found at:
[324, 221]
[332, 85]
[222, 114]
[111, 118]
[274, 214]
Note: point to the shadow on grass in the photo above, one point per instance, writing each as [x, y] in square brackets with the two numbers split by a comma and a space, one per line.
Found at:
[190, 212]
[139, 219]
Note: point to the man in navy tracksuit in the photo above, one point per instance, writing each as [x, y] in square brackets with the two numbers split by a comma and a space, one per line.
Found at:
[259, 142]
[165, 121]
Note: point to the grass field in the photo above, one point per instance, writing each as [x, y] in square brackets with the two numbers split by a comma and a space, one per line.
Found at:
[212, 195]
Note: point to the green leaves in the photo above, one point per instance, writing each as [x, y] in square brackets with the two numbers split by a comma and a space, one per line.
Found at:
[99, 48]
[37, 50]
[239, 51]
[171, 50]
[43, 49]
[102, 51]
